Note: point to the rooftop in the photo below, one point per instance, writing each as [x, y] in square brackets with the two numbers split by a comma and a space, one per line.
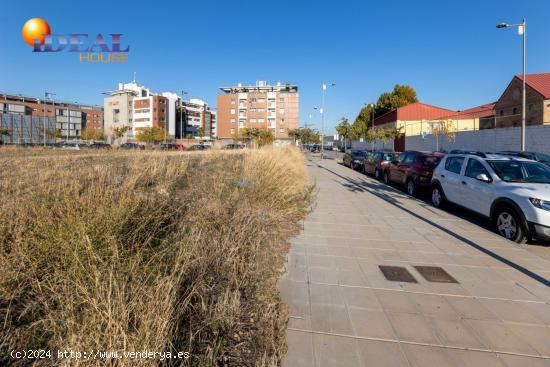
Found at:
[261, 86]
[539, 82]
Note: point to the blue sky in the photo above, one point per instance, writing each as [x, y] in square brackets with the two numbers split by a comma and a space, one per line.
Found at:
[449, 51]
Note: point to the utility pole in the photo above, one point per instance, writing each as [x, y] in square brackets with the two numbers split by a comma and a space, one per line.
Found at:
[322, 110]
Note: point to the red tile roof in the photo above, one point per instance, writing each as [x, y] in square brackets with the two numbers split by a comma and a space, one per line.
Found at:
[539, 82]
[413, 112]
[479, 111]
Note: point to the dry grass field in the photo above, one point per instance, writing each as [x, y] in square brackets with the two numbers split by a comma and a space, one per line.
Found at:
[147, 251]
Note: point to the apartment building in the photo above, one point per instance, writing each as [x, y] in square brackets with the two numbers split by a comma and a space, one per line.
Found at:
[275, 107]
[70, 119]
[195, 114]
[137, 107]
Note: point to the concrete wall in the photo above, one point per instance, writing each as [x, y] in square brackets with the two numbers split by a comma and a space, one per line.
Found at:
[490, 140]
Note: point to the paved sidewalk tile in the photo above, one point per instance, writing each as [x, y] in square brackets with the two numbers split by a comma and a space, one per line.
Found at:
[344, 312]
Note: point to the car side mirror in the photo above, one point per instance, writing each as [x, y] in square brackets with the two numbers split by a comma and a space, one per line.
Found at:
[483, 177]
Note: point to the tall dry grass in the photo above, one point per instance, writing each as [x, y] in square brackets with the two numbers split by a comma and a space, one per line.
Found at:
[148, 251]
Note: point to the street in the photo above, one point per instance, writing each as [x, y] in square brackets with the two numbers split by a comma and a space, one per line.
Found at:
[488, 304]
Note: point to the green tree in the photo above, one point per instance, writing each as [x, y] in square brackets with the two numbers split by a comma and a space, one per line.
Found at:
[400, 96]
[200, 132]
[294, 134]
[344, 129]
[4, 132]
[308, 135]
[151, 135]
[119, 132]
[91, 133]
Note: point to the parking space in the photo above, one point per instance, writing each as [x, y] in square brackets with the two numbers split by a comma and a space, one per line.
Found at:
[344, 311]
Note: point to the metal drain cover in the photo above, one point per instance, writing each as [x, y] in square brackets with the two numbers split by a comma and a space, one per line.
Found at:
[435, 274]
[397, 274]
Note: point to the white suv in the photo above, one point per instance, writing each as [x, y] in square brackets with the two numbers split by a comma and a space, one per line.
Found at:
[513, 192]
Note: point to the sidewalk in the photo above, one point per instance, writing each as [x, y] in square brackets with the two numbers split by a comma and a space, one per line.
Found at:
[344, 312]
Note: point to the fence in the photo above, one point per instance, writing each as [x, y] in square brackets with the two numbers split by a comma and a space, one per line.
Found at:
[25, 129]
[537, 138]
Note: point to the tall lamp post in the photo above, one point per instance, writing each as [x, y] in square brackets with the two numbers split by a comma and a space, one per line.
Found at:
[181, 114]
[322, 111]
[521, 31]
[47, 95]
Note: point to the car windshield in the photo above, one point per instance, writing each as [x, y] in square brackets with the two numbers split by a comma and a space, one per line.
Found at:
[543, 157]
[430, 161]
[518, 171]
[388, 157]
[358, 154]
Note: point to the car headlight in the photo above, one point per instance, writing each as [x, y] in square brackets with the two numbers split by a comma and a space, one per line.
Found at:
[539, 203]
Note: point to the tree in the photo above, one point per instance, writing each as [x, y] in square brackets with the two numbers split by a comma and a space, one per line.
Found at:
[308, 136]
[388, 133]
[150, 135]
[443, 128]
[54, 133]
[264, 137]
[4, 132]
[200, 132]
[294, 134]
[344, 129]
[119, 132]
[92, 133]
[400, 96]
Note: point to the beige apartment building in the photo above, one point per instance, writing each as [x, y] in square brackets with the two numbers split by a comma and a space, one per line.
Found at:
[275, 107]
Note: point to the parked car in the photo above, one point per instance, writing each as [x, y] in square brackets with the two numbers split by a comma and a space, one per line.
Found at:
[354, 158]
[72, 146]
[99, 146]
[513, 192]
[234, 146]
[131, 146]
[169, 146]
[315, 148]
[199, 147]
[375, 163]
[413, 170]
[536, 156]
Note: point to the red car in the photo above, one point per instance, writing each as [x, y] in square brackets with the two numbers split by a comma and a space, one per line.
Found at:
[375, 163]
[413, 169]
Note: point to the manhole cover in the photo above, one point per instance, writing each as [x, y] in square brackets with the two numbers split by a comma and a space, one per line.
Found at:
[435, 274]
[397, 274]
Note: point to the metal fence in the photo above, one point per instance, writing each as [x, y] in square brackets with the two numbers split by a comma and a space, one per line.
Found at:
[25, 129]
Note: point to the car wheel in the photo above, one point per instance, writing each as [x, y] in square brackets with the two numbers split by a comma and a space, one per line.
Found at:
[376, 173]
[438, 199]
[509, 225]
[352, 166]
[386, 178]
[411, 187]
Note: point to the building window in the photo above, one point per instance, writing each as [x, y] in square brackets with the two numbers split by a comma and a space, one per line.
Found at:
[232, 100]
[232, 121]
[281, 100]
[281, 111]
[515, 111]
[261, 121]
[232, 131]
[232, 111]
[530, 107]
[282, 130]
[252, 121]
[501, 112]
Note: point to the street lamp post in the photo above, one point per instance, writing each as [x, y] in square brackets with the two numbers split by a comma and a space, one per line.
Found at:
[181, 114]
[322, 111]
[522, 31]
[46, 96]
